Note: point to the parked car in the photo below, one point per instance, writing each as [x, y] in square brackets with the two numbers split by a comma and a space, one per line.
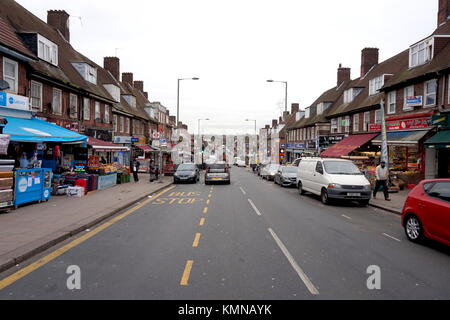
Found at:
[241, 164]
[217, 173]
[333, 179]
[296, 162]
[286, 176]
[269, 171]
[186, 172]
[426, 213]
[259, 168]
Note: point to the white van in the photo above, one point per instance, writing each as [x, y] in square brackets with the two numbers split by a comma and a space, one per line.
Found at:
[333, 179]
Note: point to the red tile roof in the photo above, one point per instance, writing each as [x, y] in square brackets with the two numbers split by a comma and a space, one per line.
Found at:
[9, 38]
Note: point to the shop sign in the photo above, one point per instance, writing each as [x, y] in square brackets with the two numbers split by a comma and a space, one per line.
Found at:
[14, 101]
[291, 146]
[163, 143]
[156, 135]
[442, 120]
[299, 146]
[134, 140]
[155, 143]
[311, 145]
[409, 124]
[124, 140]
[415, 101]
[69, 125]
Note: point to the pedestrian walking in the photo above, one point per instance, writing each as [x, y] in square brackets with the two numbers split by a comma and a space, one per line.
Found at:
[135, 169]
[153, 171]
[382, 175]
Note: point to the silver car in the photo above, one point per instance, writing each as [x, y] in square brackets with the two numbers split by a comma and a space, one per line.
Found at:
[286, 177]
[216, 173]
[269, 171]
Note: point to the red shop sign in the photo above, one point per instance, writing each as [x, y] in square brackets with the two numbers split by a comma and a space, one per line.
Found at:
[408, 124]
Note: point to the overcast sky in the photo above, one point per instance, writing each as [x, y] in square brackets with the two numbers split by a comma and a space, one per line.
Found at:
[234, 46]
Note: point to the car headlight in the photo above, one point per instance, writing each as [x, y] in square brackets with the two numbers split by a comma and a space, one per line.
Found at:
[368, 187]
[334, 186]
[176, 174]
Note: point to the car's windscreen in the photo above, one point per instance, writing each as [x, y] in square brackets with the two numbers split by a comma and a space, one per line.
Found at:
[186, 167]
[341, 167]
[290, 170]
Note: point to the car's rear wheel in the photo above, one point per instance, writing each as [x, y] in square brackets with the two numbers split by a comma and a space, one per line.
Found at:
[300, 189]
[414, 229]
[324, 197]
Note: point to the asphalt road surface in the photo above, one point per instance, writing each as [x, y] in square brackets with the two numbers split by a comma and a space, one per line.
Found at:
[248, 240]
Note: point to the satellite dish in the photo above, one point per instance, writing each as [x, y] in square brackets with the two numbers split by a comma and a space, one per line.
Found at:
[4, 85]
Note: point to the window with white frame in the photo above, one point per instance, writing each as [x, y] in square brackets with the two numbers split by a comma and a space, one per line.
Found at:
[392, 102]
[57, 101]
[376, 84]
[356, 122]
[107, 118]
[88, 72]
[47, 50]
[122, 120]
[127, 126]
[98, 116]
[366, 121]
[115, 123]
[407, 93]
[430, 92]
[339, 125]
[73, 106]
[421, 53]
[11, 74]
[351, 94]
[377, 116]
[334, 125]
[347, 124]
[36, 96]
[448, 90]
[86, 109]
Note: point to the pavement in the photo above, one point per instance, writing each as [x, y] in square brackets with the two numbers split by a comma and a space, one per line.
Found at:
[251, 240]
[34, 228]
[395, 205]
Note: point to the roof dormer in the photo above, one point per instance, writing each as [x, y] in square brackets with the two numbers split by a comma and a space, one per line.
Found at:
[421, 52]
[88, 72]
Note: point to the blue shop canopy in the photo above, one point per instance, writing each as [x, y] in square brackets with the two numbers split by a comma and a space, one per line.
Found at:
[35, 130]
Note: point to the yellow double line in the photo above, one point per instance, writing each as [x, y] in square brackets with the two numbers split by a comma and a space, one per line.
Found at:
[55, 254]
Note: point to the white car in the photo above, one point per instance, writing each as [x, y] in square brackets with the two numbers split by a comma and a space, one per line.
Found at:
[333, 179]
[241, 163]
[268, 172]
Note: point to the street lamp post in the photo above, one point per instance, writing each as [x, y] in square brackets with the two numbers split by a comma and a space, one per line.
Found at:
[178, 97]
[286, 92]
[199, 133]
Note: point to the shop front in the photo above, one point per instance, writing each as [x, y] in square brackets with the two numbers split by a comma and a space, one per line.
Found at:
[439, 144]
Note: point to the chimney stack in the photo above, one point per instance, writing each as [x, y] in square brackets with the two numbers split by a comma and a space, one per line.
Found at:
[369, 58]
[59, 19]
[344, 74]
[285, 115]
[444, 12]
[127, 77]
[267, 127]
[112, 64]
[295, 107]
[139, 85]
[274, 123]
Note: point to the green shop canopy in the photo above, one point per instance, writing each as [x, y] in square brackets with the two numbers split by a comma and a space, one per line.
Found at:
[441, 140]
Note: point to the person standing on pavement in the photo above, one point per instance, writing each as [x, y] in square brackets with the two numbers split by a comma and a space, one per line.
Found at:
[382, 175]
[135, 169]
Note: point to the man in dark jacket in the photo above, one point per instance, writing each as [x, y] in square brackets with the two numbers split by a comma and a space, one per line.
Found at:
[135, 169]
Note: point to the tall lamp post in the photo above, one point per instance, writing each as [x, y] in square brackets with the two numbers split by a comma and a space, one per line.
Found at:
[286, 92]
[199, 133]
[178, 97]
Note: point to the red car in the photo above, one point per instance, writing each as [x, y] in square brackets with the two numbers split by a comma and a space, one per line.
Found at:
[426, 213]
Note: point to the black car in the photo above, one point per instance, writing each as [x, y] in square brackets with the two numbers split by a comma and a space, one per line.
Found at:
[186, 172]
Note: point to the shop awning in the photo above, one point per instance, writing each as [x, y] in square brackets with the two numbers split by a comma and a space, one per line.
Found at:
[441, 140]
[348, 145]
[404, 138]
[36, 130]
[147, 148]
[104, 146]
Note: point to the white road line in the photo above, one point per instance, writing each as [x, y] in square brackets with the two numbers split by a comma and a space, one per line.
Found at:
[254, 207]
[347, 217]
[243, 191]
[386, 235]
[312, 289]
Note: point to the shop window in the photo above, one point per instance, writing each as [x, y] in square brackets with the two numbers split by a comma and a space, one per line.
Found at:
[11, 74]
[430, 93]
[392, 102]
[86, 109]
[57, 101]
[73, 106]
[408, 92]
[36, 96]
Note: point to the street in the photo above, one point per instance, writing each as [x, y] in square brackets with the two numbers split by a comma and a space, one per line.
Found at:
[248, 240]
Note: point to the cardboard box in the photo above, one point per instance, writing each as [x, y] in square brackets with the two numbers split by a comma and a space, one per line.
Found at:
[75, 192]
